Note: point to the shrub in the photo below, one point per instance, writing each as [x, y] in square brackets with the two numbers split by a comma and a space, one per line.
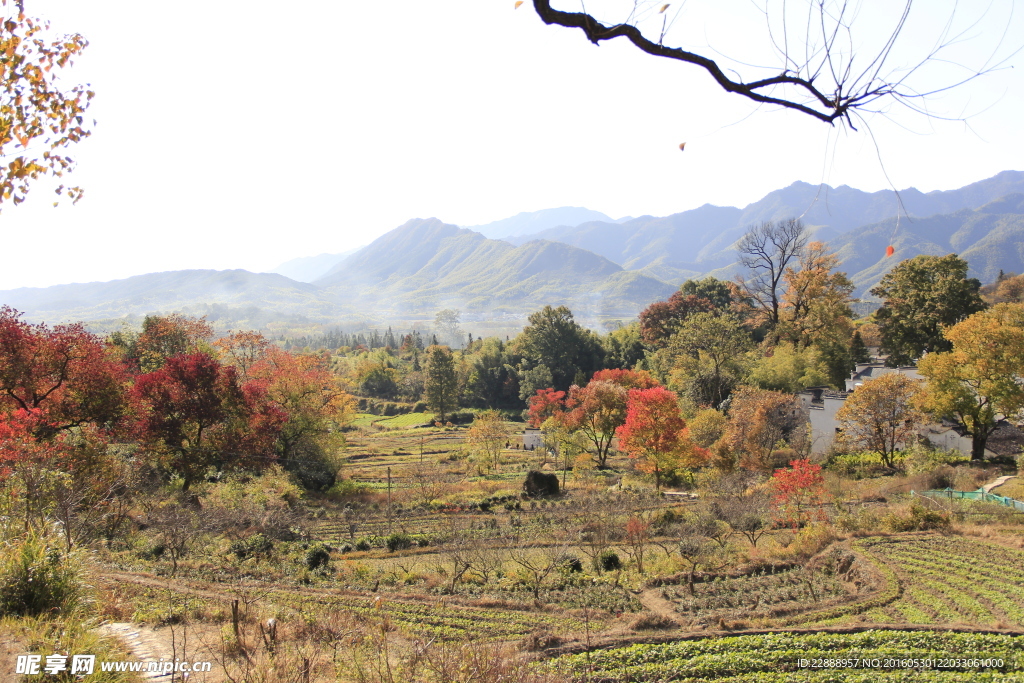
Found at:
[362, 544]
[38, 578]
[609, 561]
[920, 458]
[916, 518]
[572, 564]
[398, 541]
[255, 545]
[317, 557]
[539, 484]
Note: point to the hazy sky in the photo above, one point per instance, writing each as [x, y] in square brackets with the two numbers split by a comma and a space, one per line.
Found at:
[237, 134]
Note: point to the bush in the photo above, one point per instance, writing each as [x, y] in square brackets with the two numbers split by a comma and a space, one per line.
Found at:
[38, 578]
[860, 465]
[396, 542]
[540, 484]
[362, 544]
[920, 458]
[572, 565]
[317, 557]
[255, 545]
[916, 518]
[609, 561]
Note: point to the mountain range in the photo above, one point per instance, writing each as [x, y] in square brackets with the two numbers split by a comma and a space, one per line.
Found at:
[597, 266]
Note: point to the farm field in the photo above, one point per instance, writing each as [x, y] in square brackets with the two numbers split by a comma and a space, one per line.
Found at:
[776, 657]
[950, 580]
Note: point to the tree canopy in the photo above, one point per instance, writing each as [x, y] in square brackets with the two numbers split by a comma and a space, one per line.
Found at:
[980, 380]
[920, 297]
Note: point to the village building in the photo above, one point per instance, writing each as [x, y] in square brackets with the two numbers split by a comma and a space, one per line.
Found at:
[822, 404]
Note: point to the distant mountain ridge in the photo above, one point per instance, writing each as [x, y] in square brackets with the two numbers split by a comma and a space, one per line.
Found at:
[701, 241]
[309, 268]
[599, 268]
[535, 221]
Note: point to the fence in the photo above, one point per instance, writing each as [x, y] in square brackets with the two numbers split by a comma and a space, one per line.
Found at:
[979, 495]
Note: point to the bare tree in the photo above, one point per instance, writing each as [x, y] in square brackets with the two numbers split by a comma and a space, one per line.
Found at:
[820, 67]
[459, 550]
[766, 250]
[701, 545]
[745, 513]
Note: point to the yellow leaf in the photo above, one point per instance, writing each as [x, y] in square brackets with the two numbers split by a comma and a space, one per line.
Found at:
[663, 8]
[518, 3]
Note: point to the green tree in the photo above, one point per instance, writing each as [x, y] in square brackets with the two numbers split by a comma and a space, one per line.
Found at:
[492, 382]
[981, 378]
[718, 292]
[554, 339]
[880, 416]
[623, 348]
[920, 297]
[442, 382]
[38, 119]
[705, 359]
[789, 369]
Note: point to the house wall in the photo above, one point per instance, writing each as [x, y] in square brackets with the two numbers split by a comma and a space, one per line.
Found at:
[532, 439]
[824, 423]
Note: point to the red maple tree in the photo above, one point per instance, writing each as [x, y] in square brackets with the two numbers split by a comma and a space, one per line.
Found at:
[654, 433]
[799, 492]
[196, 412]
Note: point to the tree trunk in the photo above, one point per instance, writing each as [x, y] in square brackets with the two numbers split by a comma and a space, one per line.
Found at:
[978, 442]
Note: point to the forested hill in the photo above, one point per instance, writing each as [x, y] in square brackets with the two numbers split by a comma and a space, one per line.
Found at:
[597, 268]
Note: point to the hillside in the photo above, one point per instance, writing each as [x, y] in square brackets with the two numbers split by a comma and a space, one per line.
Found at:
[597, 267]
[990, 238]
[429, 264]
[273, 294]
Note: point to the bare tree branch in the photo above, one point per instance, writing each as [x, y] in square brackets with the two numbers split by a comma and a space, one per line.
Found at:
[850, 90]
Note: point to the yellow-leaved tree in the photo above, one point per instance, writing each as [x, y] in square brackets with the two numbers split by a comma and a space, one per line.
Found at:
[39, 117]
[982, 379]
[880, 416]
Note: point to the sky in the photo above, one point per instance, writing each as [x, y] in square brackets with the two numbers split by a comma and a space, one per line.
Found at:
[235, 134]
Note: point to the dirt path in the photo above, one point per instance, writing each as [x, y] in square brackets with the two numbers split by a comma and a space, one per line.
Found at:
[145, 644]
[998, 482]
[653, 602]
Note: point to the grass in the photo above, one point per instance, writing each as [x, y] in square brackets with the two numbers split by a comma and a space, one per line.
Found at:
[67, 635]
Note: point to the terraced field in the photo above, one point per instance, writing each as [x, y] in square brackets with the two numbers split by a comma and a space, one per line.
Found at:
[766, 593]
[439, 619]
[866, 657]
[951, 579]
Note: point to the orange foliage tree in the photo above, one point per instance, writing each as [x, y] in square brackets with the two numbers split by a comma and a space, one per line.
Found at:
[654, 434]
[799, 493]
